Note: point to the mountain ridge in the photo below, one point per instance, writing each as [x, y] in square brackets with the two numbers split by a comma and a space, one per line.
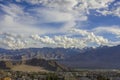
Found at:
[100, 57]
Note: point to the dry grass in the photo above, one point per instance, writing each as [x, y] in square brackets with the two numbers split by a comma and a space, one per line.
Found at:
[27, 68]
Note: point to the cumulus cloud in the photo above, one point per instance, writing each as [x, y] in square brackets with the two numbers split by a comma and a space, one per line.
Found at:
[67, 41]
[60, 41]
[111, 30]
[91, 37]
[12, 41]
[15, 41]
[114, 12]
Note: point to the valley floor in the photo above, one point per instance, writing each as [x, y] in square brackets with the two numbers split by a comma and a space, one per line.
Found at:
[26, 68]
[73, 75]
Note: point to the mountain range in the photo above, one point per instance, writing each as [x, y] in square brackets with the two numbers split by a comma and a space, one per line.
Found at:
[99, 58]
[94, 58]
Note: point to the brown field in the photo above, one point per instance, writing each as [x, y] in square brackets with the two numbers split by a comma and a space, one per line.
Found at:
[27, 68]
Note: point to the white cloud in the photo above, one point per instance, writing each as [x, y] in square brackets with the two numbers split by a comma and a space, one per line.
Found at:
[45, 39]
[67, 41]
[59, 41]
[17, 21]
[12, 41]
[20, 20]
[12, 10]
[113, 30]
[114, 12]
[59, 10]
[79, 8]
[8, 24]
[58, 4]
[48, 15]
[91, 37]
[97, 4]
[16, 41]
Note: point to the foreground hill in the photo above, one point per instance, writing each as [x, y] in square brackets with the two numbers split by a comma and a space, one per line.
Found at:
[32, 65]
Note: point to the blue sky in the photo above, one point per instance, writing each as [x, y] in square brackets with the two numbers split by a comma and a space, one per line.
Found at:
[59, 23]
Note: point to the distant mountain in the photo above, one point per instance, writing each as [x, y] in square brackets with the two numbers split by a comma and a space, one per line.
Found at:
[44, 53]
[99, 58]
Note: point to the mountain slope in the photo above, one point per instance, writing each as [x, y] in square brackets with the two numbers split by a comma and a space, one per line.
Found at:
[33, 64]
[102, 57]
[46, 64]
